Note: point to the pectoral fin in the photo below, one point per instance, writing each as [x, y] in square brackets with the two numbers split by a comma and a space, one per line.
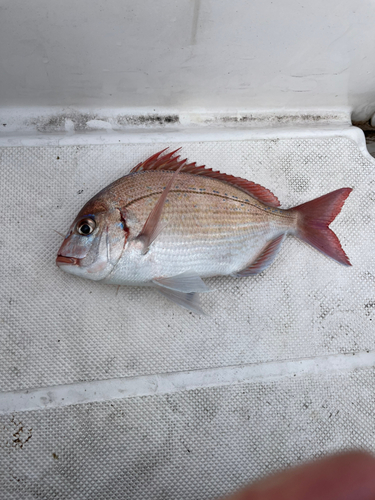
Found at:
[264, 259]
[186, 282]
[152, 227]
[189, 301]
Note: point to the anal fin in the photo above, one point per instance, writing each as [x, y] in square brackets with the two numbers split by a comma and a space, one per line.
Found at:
[264, 259]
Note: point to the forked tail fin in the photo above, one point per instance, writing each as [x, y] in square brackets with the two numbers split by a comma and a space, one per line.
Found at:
[315, 216]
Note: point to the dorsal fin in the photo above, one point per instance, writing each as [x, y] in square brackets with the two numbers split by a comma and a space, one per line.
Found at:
[168, 161]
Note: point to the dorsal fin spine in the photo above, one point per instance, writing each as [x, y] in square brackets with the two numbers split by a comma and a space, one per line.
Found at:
[169, 162]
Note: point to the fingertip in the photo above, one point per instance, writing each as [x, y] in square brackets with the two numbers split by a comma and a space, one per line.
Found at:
[347, 476]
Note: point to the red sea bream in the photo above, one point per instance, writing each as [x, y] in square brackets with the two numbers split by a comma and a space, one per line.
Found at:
[168, 224]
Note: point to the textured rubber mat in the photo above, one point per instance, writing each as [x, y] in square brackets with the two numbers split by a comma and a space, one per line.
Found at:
[56, 328]
[192, 445]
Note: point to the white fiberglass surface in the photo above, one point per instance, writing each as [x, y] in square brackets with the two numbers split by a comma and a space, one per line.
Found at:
[59, 329]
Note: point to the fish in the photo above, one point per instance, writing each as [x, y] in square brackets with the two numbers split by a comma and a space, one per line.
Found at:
[169, 223]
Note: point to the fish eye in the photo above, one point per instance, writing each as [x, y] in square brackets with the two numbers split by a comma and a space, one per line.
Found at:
[86, 227]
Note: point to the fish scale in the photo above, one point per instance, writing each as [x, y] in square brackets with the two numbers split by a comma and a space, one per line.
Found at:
[219, 227]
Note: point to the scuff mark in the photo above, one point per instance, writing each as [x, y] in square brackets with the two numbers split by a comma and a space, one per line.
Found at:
[369, 307]
[147, 120]
[272, 118]
[292, 90]
[320, 74]
[310, 74]
[339, 37]
[20, 437]
[194, 26]
[75, 121]
[56, 123]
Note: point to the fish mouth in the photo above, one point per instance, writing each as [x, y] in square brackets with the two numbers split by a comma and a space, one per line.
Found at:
[61, 260]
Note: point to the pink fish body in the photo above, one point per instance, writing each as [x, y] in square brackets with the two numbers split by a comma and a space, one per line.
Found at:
[168, 224]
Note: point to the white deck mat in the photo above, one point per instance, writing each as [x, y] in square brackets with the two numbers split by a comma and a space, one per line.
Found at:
[57, 329]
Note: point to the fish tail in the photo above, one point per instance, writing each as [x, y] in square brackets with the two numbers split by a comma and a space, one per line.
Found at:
[313, 220]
